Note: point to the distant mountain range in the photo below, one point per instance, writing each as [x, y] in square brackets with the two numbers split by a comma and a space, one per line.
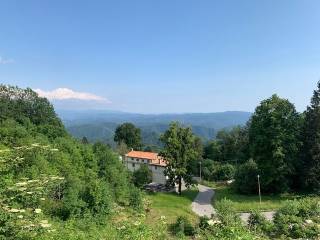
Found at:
[100, 125]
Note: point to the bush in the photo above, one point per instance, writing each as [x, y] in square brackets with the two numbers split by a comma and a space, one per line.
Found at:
[203, 222]
[258, 222]
[229, 225]
[223, 172]
[142, 176]
[226, 213]
[182, 227]
[246, 178]
[135, 199]
[298, 219]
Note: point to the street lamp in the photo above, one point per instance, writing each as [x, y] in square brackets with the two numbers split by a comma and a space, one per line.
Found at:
[259, 188]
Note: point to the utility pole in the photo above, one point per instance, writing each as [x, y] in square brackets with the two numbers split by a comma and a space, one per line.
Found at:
[200, 171]
[259, 188]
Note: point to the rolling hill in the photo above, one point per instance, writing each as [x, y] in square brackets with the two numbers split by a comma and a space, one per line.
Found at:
[100, 125]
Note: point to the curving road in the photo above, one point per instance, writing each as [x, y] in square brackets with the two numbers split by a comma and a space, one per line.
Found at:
[201, 205]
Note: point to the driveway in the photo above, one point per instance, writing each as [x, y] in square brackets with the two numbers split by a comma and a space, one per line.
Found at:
[201, 205]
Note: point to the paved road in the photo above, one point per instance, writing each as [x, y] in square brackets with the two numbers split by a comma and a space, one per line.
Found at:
[201, 205]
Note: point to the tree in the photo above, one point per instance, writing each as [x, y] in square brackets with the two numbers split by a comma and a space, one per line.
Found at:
[142, 176]
[129, 134]
[213, 150]
[246, 178]
[311, 144]
[178, 151]
[84, 140]
[273, 137]
[229, 146]
[194, 164]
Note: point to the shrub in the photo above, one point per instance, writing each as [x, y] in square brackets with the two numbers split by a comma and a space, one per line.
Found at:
[142, 176]
[223, 172]
[246, 178]
[229, 225]
[182, 227]
[203, 222]
[258, 222]
[135, 199]
[226, 213]
[297, 219]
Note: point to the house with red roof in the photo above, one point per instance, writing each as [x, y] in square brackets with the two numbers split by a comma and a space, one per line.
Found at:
[157, 165]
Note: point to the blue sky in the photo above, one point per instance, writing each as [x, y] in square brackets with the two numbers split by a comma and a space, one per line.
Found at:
[162, 56]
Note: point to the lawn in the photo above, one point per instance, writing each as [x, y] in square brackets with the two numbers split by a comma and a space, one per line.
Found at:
[171, 206]
[245, 203]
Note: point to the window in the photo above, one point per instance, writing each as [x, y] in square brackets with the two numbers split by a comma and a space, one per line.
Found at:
[133, 165]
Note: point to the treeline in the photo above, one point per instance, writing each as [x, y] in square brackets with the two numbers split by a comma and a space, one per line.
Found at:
[47, 176]
[278, 143]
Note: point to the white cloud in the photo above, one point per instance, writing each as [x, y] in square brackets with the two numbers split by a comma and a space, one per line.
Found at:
[6, 60]
[66, 93]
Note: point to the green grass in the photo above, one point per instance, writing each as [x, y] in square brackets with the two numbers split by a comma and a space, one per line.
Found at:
[171, 206]
[246, 203]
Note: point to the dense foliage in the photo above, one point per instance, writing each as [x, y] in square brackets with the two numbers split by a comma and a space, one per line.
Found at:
[142, 176]
[179, 150]
[273, 137]
[128, 134]
[46, 174]
[246, 178]
[229, 146]
[310, 176]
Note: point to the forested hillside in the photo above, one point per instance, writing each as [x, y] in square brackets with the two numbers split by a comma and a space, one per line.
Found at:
[100, 125]
[49, 179]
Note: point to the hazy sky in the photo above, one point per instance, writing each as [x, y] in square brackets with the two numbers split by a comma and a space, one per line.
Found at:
[162, 56]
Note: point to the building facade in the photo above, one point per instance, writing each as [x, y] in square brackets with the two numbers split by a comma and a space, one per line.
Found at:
[134, 159]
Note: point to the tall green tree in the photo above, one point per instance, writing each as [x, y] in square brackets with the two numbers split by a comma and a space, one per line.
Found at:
[229, 146]
[274, 141]
[179, 151]
[311, 144]
[128, 134]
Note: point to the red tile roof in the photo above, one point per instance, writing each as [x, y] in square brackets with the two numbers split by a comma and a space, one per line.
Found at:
[154, 157]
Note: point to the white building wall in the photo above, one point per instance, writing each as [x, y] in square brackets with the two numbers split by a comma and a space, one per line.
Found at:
[157, 171]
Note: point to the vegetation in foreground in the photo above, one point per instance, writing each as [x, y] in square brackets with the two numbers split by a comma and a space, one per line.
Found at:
[170, 206]
[56, 187]
[248, 203]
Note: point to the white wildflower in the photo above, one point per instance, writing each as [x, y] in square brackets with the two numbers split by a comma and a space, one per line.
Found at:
[308, 221]
[213, 222]
[33, 181]
[20, 184]
[137, 223]
[14, 210]
[37, 210]
[20, 216]
[121, 228]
